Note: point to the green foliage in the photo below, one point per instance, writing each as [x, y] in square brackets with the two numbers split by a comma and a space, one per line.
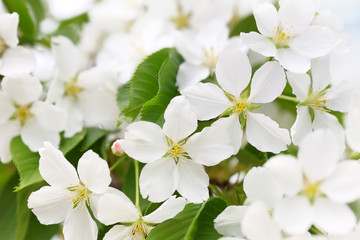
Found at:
[8, 210]
[27, 163]
[92, 135]
[245, 25]
[71, 28]
[153, 85]
[196, 222]
[68, 144]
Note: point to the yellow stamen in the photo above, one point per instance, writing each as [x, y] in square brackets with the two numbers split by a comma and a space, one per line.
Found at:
[317, 101]
[22, 113]
[79, 195]
[72, 89]
[312, 190]
[182, 19]
[176, 150]
[240, 106]
[139, 231]
[210, 58]
[282, 35]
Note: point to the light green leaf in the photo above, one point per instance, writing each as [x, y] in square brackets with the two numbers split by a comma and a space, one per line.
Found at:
[67, 144]
[92, 135]
[195, 222]
[71, 28]
[246, 25]
[154, 109]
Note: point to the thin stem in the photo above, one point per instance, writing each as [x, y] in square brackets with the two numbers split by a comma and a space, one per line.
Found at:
[293, 99]
[137, 201]
[120, 160]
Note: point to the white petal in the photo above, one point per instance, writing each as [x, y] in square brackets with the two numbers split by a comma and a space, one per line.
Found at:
[300, 84]
[210, 146]
[261, 185]
[353, 126]
[207, 100]
[8, 130]
[320, 73]
[189, 75]
[94, 172]
[264, 133]
[114, 206]
[51, 205]
[258, 225]
[34, 135]
[302, 125]
[180, 121]
[22, 88]
[318, 154]
[297, 14]
[338, 97]
[49, 117]
[8, 30]
[259, 43]
[74, 117]
[118, 232]
[343, 184]
[232, 126]
[167, 210]
[159, 179]
[228, 222]
[233, 71]
[193, 181]
[316, 41]
[292, 60]
[294, 215]
[144, 141]
[267, 18]
[287, 172]
[267, 83]
[6, 108]
[17, 60]
[332, 217]
[189, 49]
[80, 225]
[55, 169]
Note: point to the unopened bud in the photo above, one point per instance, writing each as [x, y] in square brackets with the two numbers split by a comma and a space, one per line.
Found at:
[117, 149]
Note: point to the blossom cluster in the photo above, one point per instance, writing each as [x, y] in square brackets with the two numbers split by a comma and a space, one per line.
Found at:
[208, 88]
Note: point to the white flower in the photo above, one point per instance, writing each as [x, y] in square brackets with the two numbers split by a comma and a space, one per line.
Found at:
[201, 52]
[352, 129]
[233, 72]
[23, 113]
[115, 207]
[287, 35]
[316, 95]
[67, 197]
[316, 186]
[174, 160]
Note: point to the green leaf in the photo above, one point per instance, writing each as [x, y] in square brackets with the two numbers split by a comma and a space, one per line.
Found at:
[92, 135]
[245, 25]
[67, 144]
[195, 222]
[144, 85]
[8, 210]
[71, 28]
[27, 163]
[154, 109]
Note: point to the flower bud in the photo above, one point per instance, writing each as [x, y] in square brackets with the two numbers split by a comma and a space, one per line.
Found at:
[117, 149]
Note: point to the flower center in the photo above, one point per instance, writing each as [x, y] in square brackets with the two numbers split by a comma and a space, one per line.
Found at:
[2, 46]
[317, 101]
[72, 89]
[282, 35]
[79, 195]
[139, 231]
[181, 20]
[22, 113]
[311, 191]
[240, 106]
[176, 150]
[210, 58]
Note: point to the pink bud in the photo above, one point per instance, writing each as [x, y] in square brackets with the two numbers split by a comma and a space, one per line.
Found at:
[116, 148]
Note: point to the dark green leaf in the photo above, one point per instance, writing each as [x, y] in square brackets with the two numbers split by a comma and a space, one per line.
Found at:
[71, 28]
[27, 163]
[92, 135]
[195, 222]
[68, 144]
[245, 25]
[8, 210]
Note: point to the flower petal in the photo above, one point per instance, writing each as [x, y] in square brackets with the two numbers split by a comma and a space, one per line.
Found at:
[22, 88]
[144, 141]
[320, 73]
[80, 225]
[193, 181]
[338, 97]
[121, 210]
[207, 100]
[74, 118]
[258, 43]
[292, 60]
[6, 108]
[233, 71]
[343, 184]
[94, 172]
[300, 84]
[49, 117]
[316, 41]
[265, 134]
[294, 215]
[8, 130]
[228, 222]
[118, 232]
[267, 18]
[51, 205]
[8, 30]
[180, 121]
[17, 60]
[159, 179]
[318, 154]
[352, 125]
[189, 74]
[302, 125]
[332, 217]
[167, 210]
[210, 146]
[267, 83]
[55, 169]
